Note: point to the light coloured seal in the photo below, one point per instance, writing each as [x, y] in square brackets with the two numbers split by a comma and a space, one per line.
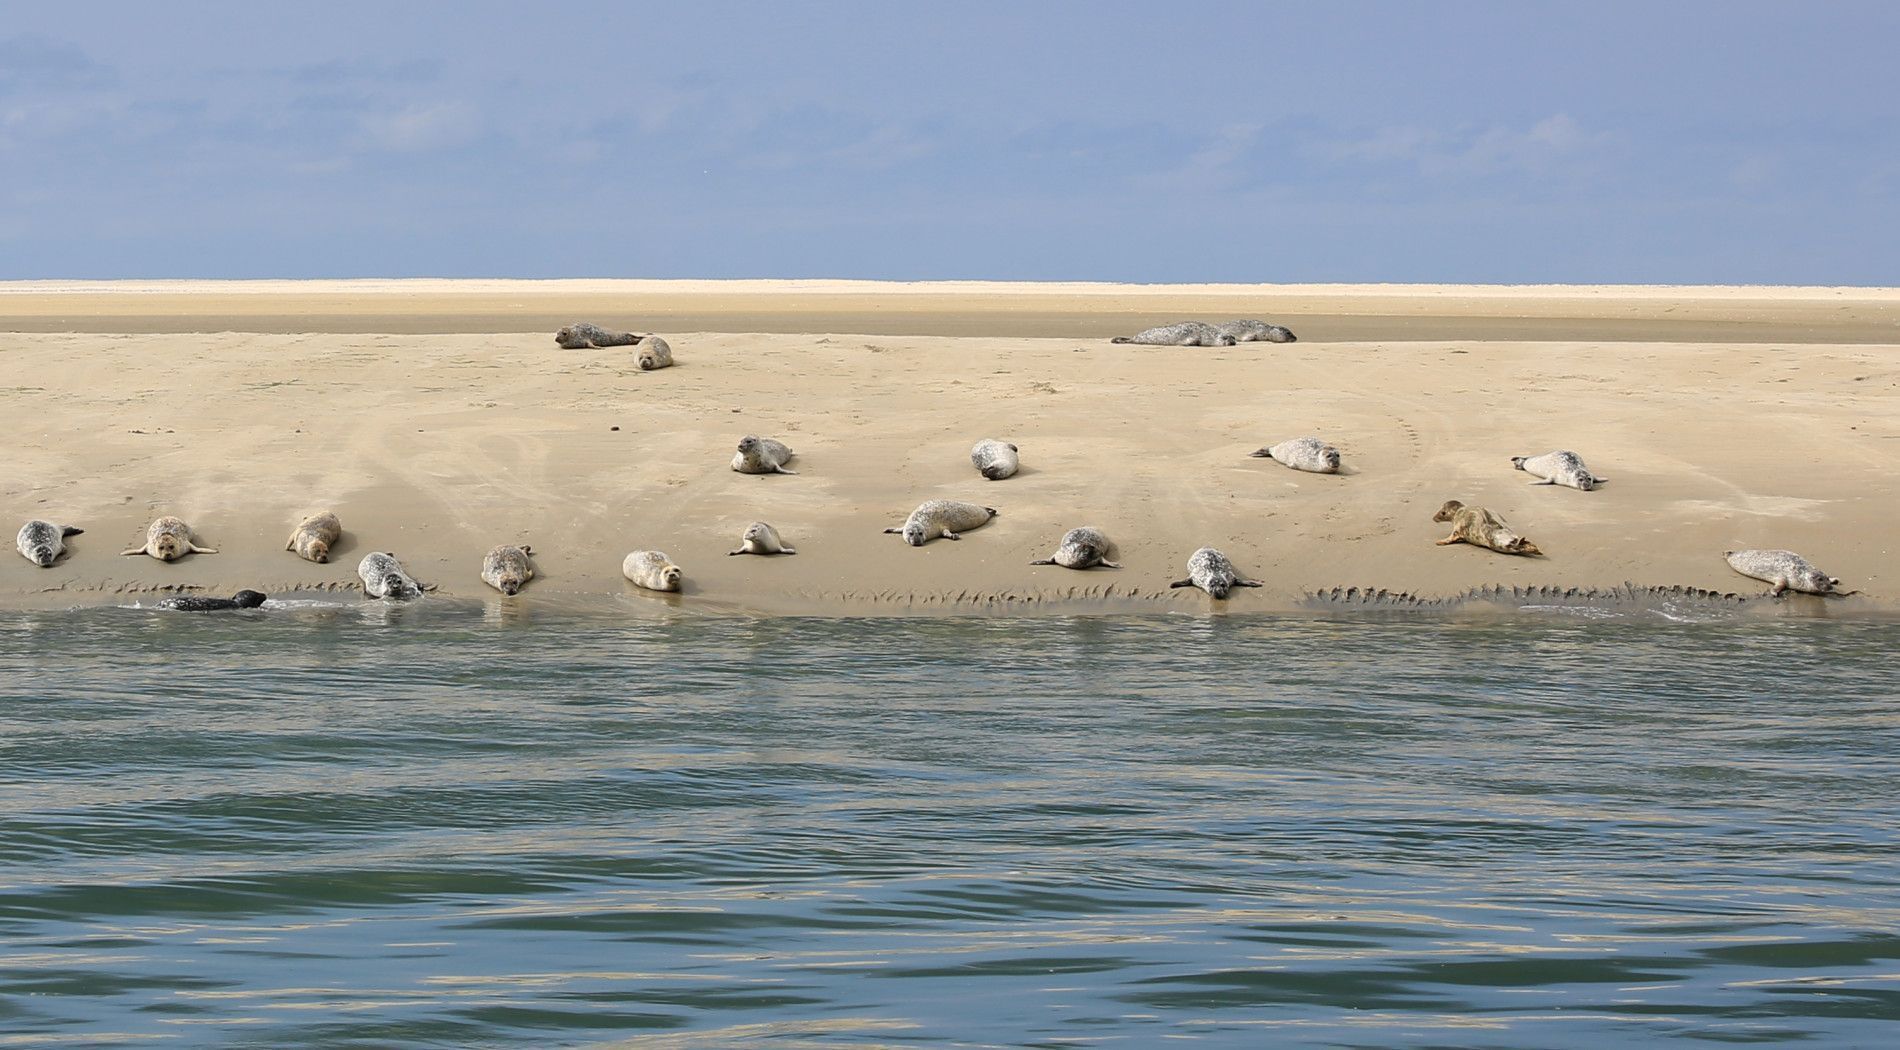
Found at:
[1481, 528]
[1210, 570]
[168, 539]
[198, 603]
[652, 570]
[1786, 570]
[314, 536]
[507, 569]
[759, 455]
[1081, 548]
[384, 577]
[654, 353]
[1306, 453]
[581, 335]
[42, 542]
[1184, 333]
[942, 517]
[994, 459]
[1561, 467]
[760, 538]
[1256, 332]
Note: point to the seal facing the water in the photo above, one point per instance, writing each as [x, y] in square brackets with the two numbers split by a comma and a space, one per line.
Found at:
[42, 542]
[1210, 570]
[759, 455]
[314, 536]
[1184, 333]
[507, 569]
[1561, 467]
[942, 517]
[1786, 570]
[1307, 453]
[168, 539]
[760, 538]
[1256, 332]
[1081, 549]
[195, 603]
[654, 353]
[581, 334]
[652, 570]
[383, 577]
[993, 459]
[1481, 528]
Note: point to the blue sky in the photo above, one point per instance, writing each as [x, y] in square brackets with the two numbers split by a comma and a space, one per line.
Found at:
[1732, 142]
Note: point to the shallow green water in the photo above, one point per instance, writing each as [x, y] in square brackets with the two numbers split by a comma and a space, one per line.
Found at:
[433, 825]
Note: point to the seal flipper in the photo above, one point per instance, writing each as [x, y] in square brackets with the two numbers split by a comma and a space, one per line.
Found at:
[1451, 539]
[782, 470]
[1247, 583]
[1543, 481]
[1109, 564]
[948, 535]
[739, 551]
[1043, 561]
[898, 529]
[786, 550]
[135, 550]
[195, 549]
[1261, 454]
[68, 530]
[1189, 582]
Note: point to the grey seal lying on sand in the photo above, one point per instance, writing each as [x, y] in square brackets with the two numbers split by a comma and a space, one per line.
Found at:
[1210, 570]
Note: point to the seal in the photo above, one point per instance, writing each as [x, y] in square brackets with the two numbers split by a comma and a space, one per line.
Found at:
[993, 459]
[1307, 453]
[506, 568]
[1256, 332]
[760, 538]
[1561, 467]
[652, 570]
[1210, 570]
[168, 539]
[383, 577]
[42, 542]
[195, 603]
[1786, 570]
[1481, 528]
[654, 353]
[581, 335]
[1081, 548]
[759, 455]
[1184, 333]
[314, 536]
[942, 517]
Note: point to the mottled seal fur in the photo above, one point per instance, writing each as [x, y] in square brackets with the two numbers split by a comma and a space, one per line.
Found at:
[654, 353]
[759, 455]
[1081, 548]
[942, 517]
[383, 577]
[1184, 333]
[195, 603]
[507, 569]
[1256, 332]
[1561, 467]
[994, 459]
[42, 542]
[314, 536]
[1481, 528]
[1786, 570]
[168, 539]
[580, 335]
[760, 538]
[652, 570]
[1307, 453]
[1210, 570]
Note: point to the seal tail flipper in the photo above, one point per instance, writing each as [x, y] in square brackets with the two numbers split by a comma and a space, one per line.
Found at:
[1189, 582]
[1121, 339]
[1261, 454]
[70, 531]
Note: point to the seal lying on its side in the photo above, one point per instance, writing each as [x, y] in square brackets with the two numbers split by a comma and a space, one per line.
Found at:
[1183, 333]
[196, 603]
[760, 538]
[507, 569]
[314, 536]
[1561, 467]
[994, 460]
[652, 570]
[654, 353]
[1081, 549]
[1481, 528]
[1256, 332]
[759, 455]
[1210, 570]
[1787, 570]
[42, 542]
[383, 577]
[942, 517]
[168, 539]
[580, 335]
[1307, 453]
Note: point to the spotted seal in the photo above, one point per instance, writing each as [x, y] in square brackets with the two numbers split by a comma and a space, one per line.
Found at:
[760, 538]
[654, 353]
[942, 517]
[1306, 453]
[197, 603]
[1786, 570]
[993, 459]
[1081, 548]
[383, 577]
[1256, 332]
[759, 455]
[314, 536]
[168, 539]
[1481, 528]
[507, 569]
[580, 335]
[1184, 333]
[42, 542]
[652, 570]
[1561, 467]
[1210, 570]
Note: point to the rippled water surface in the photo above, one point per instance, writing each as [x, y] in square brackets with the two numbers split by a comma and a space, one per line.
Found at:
[436, 825]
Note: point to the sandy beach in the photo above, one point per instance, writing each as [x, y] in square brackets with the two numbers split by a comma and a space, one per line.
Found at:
[438, 418]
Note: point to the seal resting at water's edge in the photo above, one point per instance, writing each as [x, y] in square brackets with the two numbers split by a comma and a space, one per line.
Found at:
[195, 603]
[168, 539]
[994, 459]
[760, 538]
[1561, 467]
[42, 542]
[383, 577]
[942, 517]
[1256, 332]
[581, 334]
[1210, 570]
[652, 570]
[759, 455]
[507, 569]
[654, 353]
[1081, 549]
[1183, 333]
[1481, 528]
[1307, 453]
[314, 536]
[1786, 570]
